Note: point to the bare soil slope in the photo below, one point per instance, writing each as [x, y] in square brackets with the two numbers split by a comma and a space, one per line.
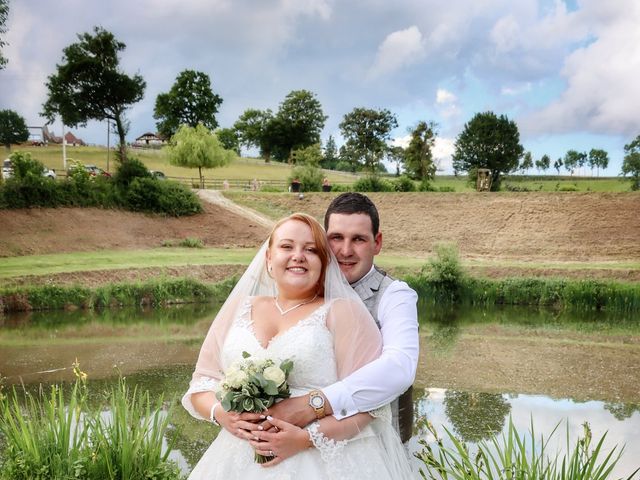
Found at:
[524, 226]
[576, 227]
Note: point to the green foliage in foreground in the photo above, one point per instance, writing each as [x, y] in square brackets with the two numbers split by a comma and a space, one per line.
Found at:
[157, 292]
[511, 456]
[53, 435]
[132, 188]
[442, 279]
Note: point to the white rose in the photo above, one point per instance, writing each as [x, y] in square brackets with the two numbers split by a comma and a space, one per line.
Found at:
[275, 375]
[235, 378]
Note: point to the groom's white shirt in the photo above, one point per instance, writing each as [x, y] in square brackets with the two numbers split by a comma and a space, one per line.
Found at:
[387, 377]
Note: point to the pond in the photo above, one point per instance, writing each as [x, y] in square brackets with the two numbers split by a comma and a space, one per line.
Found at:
[478, 368]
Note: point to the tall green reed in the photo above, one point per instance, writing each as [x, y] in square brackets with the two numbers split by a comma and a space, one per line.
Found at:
[510, 456]
[58, 436]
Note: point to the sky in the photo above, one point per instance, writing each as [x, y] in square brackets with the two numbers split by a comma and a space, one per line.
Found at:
[567, 72]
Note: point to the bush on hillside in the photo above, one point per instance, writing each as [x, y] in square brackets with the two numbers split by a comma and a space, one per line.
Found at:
[169, 198]
[404, 184]
[310, 178]
[128, 171]
[373, 184]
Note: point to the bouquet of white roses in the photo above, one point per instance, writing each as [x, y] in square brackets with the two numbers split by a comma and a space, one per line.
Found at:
[253, 386]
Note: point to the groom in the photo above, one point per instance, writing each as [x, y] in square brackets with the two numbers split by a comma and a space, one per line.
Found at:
[352, 225]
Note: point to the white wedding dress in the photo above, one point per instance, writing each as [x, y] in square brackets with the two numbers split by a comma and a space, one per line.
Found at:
[374, 453]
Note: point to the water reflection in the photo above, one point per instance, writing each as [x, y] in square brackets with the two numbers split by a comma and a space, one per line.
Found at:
[474, 415]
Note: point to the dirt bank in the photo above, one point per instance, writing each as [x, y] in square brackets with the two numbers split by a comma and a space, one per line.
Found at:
[534, 227]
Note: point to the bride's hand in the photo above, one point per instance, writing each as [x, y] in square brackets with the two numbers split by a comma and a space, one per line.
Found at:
[241, 425]
[283, 441]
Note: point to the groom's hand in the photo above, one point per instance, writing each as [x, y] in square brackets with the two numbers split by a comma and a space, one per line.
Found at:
[241, 425]
[295, 410]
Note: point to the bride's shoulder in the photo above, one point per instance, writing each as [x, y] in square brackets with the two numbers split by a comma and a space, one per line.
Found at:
[260, 301]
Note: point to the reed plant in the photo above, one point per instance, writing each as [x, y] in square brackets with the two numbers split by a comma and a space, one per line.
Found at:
[512, 456]
[156, 292]
[58, 436]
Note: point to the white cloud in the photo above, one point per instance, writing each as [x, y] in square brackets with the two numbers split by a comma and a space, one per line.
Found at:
[444, 96]
[442, 151]
[516, 89]
[603, 91]
[399, 49]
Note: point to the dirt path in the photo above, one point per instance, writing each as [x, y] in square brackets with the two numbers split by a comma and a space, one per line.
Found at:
[216, 198]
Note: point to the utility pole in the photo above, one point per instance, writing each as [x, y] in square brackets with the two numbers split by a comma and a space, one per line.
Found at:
[64, 150]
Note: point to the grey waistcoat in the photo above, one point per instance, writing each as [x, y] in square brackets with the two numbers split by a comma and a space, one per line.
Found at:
[370, 289]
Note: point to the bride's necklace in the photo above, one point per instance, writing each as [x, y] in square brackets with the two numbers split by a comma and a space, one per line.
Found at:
[284, 312]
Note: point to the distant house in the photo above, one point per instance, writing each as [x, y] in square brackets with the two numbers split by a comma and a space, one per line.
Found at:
[71, 139]
[149, 140]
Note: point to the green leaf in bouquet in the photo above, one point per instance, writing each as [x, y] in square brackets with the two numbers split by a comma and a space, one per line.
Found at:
[260, 404]
[271, 388]
[245, 355]
[248, 405]
[227, 401]
[286, 366]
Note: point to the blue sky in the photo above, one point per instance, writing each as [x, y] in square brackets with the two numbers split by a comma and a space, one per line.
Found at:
[566, 72]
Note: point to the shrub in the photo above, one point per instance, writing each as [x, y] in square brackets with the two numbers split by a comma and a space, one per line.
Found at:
[567, 188]
[515, 188]
[446, 189]
[169, 198]
[444, 271]
[404, 184]
[191, 243]
[310, 178]
[372, 184]
[128, 171]
[425, 186]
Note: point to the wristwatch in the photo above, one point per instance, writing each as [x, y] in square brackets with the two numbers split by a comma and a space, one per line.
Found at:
[316, 401]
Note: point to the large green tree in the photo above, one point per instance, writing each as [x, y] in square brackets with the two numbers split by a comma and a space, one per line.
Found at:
[573, 160]
[229, 139]
[527, 162]
[366, 132]
[255, 128]
[418, 156]
[13, 128]
[89, 84]
[631, 163]
[598, 158]
[297, 124]
[190, 101]
[197, 148]
[4, 15]
[330, 158]
[544, 163]
[488, 141]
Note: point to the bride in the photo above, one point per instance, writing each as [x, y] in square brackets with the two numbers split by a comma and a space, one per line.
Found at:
[293, 302]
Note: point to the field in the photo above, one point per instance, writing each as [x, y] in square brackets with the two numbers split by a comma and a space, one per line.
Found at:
[246, 169]
[577, 235]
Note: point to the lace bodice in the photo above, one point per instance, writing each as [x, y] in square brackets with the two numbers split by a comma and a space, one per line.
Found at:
[308, 343]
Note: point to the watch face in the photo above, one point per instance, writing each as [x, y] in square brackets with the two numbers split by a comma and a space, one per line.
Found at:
[317, 401]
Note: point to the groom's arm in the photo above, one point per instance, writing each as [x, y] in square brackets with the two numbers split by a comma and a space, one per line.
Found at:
[378, 382]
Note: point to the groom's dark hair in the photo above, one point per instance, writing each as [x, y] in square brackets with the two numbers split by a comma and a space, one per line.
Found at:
[349, 203]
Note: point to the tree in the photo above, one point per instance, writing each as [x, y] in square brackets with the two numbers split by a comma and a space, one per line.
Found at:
[631, 163]
[255, 129]
[396, 154]
[89, 84]
[598, 158]
[197, 148]
[190, 101]
[558, 165]
[13, 128]
[574, 159]
[527, 162]
[229, 139]
[488, 141]
[543, 164]
[366, 132]
[476, 416]
[418, 156]
[330, 158]
[4, 15]
[297, 124]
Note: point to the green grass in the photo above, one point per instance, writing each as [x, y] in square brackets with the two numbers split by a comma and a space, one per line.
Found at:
[250, 168]
[240, 168]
